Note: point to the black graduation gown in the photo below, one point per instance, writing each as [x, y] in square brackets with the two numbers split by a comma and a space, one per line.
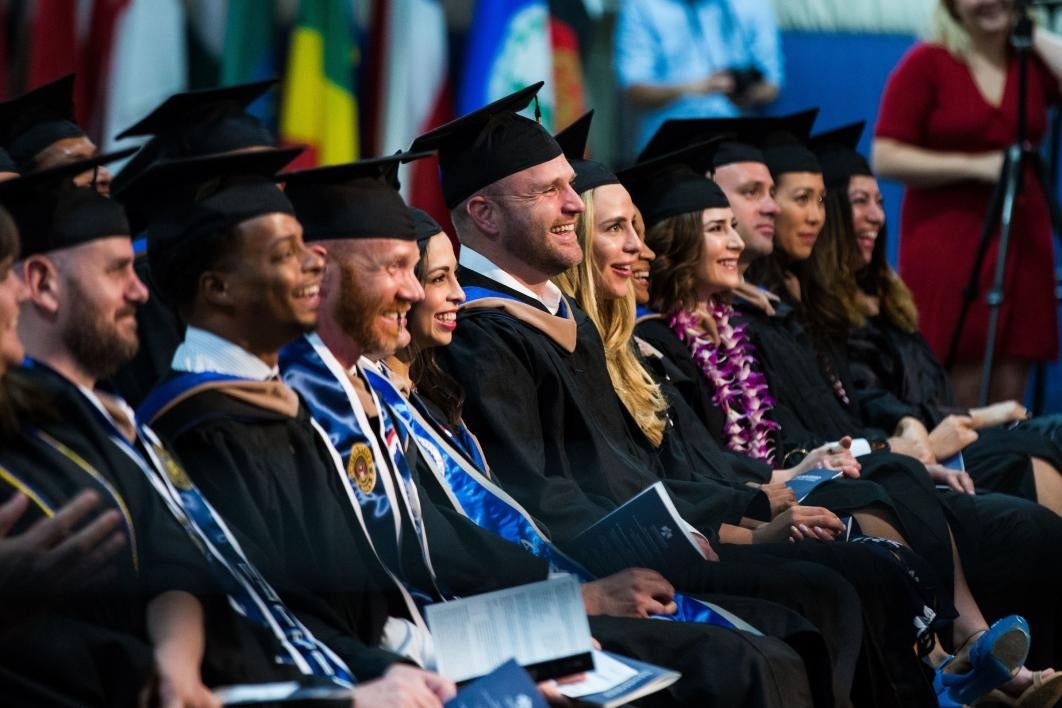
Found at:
[782, 341]
[65, 645]
[555, 432]
[237, 651]
[271, 478]
[685, 381]
[468, 559]
[895, 374]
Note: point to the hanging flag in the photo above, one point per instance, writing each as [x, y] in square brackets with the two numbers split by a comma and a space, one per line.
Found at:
[249, 52]
[569, 23]
[318, 106]
[93, 70]
[205, 37]
[509, 48]
[53, 42]
[147, 64]
[411, 82]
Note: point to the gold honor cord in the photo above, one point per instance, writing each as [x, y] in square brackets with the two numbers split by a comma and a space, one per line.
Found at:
[91, 471]
[21, 486]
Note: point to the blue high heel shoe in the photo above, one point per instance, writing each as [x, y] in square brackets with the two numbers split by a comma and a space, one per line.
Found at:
[993, 659]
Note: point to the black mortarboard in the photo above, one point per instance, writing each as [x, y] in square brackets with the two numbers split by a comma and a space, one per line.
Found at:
[574, 138]
[836, 150]
[38, 118]
[354, 200]
[784, 153]
[208, 121]
[425, 224]
[674, 183]
[52, 213]
[187, 198]
[589, 174]
[487, 145]
[745, 141]
[198, 123]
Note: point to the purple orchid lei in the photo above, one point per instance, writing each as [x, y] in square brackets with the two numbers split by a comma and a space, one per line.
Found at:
[740, 390]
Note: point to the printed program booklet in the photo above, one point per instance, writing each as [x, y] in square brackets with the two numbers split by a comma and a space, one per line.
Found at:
[508, 686]
[804, 484]
[646, 532]
[542, 626]
[617, 680]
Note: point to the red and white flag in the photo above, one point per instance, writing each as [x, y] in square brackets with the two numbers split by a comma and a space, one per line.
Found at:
[413, 91]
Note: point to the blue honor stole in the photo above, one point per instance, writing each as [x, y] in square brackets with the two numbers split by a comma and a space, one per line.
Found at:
[249, 593]
[473, 494]
[379, 479]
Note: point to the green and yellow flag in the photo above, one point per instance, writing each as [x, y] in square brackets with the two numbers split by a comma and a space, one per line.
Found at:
[319, 108]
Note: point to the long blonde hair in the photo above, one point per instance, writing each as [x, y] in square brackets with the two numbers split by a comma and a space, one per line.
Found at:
[614, 320]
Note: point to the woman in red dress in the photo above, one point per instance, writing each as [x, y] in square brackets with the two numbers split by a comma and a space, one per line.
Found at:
[949, 110]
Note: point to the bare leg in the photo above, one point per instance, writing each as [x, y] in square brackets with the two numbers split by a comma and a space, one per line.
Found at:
[966, 379]
[1048, 485]
[1009, 379]
[875, 523]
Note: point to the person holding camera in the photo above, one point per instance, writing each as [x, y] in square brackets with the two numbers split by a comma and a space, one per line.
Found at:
[696, 59]
[949, 110]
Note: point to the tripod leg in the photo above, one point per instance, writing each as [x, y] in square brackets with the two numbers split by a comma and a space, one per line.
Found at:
[1012, 181]
[970, 292]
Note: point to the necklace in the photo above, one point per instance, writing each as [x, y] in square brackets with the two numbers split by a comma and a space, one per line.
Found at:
[740, 390]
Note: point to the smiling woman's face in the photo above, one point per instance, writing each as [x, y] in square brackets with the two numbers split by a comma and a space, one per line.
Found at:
[616, 244]
[718, 270]
[800, 197]
[868, 214]
[432, 321]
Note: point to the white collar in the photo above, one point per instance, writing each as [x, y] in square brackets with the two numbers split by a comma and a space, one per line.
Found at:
[204, 351]
[479, 263]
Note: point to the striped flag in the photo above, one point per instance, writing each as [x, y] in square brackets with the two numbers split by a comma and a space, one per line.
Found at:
[147, 64]
[319, 108]
[248, 53]
[412, 91]
[568, 23]
[509, 48]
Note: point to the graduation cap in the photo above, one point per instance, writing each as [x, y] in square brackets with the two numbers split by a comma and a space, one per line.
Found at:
[784, 152]
[197, 123]
[589, 174]
[745, 141]
[674, 183]
[187, 198]
[187, 202]
[52, 213]
[574, 138]
[425, 224]
[206, 122]
[836, 150]
[36, 119]
[353, 200]
[487, 145]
